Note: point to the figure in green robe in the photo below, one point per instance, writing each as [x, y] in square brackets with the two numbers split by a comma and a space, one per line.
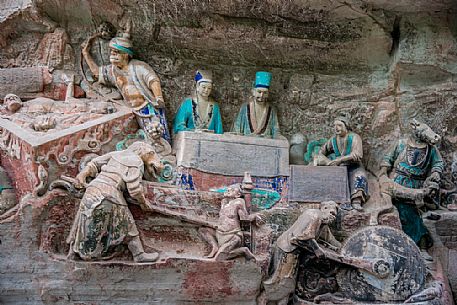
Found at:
[414, 161]
[200, 111]
[257, 117]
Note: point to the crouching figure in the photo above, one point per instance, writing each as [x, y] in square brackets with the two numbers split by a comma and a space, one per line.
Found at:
[104, 221]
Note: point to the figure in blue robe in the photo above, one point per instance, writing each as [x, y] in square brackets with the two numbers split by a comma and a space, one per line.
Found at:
[188, 118]
[199, 112]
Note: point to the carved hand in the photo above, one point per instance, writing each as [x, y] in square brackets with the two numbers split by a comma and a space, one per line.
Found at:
[383, 171]
[80, 180]
[258, 218]
[43, 124]
[435, 177]
[335, 162]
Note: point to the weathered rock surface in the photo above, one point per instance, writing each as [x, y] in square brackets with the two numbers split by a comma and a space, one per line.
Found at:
[381, 61]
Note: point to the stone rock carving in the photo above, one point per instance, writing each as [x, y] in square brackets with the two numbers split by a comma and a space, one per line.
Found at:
[104, 220]
[297, 149]
[347, 149]
[310, 228]
[199, 112]
[389, 267]
[136, 80]
[25, 82]
[42, 114]
[257, 117]
[227, 241]
[417, 164]
[7, 195]
[151, 134]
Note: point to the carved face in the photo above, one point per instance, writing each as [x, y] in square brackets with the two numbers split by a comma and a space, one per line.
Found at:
[340, 128]
[154, 130]
[118, 58]
[232, 192]
[13, 103]
[423, 133]
[152, 165]
[204, 89]
[260, 95]
[328, 212]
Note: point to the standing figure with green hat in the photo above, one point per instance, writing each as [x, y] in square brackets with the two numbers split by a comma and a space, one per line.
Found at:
[136, 80]
[347, 148]
[257, 117]
[199, 111]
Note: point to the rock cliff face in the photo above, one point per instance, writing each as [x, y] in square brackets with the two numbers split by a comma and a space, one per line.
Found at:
[382, 62]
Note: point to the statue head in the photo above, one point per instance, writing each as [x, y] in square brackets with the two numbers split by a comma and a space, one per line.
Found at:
[121, 50]
[233, 191]
[341, 126]
[154, 130]
[152, 163]
[329, 210]
[204, 83]
[12, 102]
[422, 133]
[261, 86]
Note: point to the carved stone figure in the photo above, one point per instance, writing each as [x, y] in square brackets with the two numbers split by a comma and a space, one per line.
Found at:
[42, 114]
[297, 149]
[347, 149]
[416, 163]
[257, 117]
[310, 228]
[136, 80]
[200, 111]
[104, 220]
[227, 241]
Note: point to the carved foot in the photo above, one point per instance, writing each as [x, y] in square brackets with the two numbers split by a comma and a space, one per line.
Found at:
[427, 257]
[146, 257]
[357, 207]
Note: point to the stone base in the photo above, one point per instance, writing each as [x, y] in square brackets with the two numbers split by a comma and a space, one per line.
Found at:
[318, 183]
[232, 155]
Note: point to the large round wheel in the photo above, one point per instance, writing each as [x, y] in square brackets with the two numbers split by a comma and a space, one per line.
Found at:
[406, 273]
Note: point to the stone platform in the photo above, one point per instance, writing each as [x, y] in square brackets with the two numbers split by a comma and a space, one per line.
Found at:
[313, 184]
[232, 155]
[48, 155]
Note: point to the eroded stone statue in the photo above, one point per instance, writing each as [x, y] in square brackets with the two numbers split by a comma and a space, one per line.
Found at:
[257, 117]
[136, 80]
[348, 151]
[227, 241]
[310, 228]
[417, 164]
[199, 112]
[42, 114]
[103, 220]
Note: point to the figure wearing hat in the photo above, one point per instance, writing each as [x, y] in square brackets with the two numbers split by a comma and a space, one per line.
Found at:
[136, 80]
[348, 151]
[257, 117]
[199, 111]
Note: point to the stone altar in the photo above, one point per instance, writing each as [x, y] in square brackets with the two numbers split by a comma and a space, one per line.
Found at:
[232, 155]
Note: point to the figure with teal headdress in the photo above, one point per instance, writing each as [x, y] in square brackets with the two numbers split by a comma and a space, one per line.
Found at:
[199, 111]
[257, 117]
[346, 146]
[136, 80]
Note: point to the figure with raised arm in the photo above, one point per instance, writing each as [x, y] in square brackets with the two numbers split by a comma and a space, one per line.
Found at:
[136, 80]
